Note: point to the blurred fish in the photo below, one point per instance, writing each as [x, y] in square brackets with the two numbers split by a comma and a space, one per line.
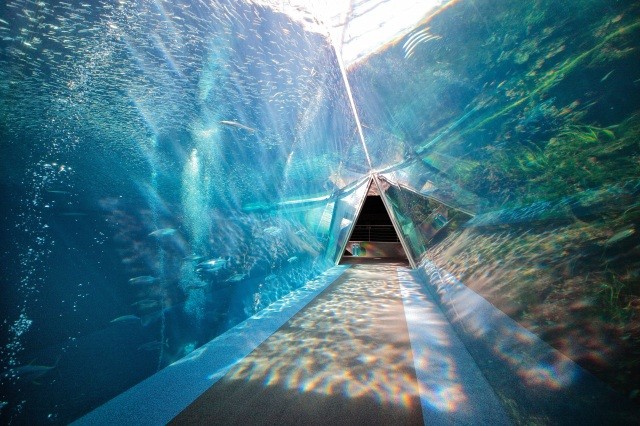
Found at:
[153, 317]
[236, 278]
[196, 285]
[272, 231]
[237, 125]
[164, 232]
[126, 318]
[193, 258]
[292, 259]
[146, 304]
[152, 346]
[606, 76]
[212, 265]
[143, 280]
[29, 371]
[620, 236]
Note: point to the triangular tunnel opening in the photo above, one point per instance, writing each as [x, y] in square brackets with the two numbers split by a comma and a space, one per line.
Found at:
[374, 237]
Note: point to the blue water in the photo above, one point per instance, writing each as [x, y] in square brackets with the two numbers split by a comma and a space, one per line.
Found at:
[171, 168]
[140, 142]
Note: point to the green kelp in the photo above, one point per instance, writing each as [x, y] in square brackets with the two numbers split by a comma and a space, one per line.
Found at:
[586, 157]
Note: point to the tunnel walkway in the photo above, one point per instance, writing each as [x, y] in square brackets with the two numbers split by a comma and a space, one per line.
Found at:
[372, 343]
[347, 358]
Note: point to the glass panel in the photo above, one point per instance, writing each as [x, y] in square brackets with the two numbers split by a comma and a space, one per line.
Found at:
[423, 221]
[525, 115]
[168, 169]
[344, 218]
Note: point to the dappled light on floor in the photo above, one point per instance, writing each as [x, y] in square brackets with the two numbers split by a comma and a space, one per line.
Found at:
[453, 390]
[443, 389]
[345, 357]
[353, 342]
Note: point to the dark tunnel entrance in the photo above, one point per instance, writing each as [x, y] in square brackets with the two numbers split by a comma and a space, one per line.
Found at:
[374, 236]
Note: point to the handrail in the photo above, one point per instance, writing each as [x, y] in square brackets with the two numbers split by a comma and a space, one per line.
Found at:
[381, 233]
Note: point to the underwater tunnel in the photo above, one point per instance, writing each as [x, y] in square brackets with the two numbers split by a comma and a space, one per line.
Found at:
[320, 212]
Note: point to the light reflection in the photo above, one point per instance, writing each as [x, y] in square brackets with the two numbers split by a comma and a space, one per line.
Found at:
[558, 280]
[361, 28]
[534, 362]
[443, 386]
[350, 342]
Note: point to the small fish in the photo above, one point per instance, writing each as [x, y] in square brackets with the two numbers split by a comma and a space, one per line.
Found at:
[292, 259]
[196, 286]
[237, 125]
[620, 236]
[29, 371]
[152, 346]
[193, 258]
[606, 76]
[126, 318]
[146, 304]
[163, 232]
[212, 265]
[59, 192]
[236, 278]
[73, 214]
[272, 231]
[153, 317]
[3, 404]
[143, 280]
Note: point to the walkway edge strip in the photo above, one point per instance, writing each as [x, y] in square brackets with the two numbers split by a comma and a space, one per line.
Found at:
[452, 388]
[159, 398]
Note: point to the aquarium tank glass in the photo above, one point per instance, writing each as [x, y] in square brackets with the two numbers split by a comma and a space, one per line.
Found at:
[171, 168]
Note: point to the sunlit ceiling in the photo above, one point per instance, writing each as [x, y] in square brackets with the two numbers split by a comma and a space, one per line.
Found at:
[359, 28]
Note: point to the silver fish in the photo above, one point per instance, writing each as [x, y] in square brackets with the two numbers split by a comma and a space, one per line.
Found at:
[272, 231]
[126, 318]
[231, 123]
[29, 371]
[236, 278]
[195, 284]
[143, 280]
[193, 258]
[163, 232]
[146, 304]
[212, 265]
[152, 346]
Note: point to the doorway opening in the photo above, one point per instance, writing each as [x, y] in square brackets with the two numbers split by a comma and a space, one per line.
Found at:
[374, 236]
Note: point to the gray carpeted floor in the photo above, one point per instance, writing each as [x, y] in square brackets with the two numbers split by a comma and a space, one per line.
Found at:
[344, 359]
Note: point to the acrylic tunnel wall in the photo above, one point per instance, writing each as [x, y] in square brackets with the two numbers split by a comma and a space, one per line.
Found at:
[170, 169]
[506, 142]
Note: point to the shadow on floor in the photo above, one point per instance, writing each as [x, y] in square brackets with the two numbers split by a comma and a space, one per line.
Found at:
[355, 260]
[253, 403]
